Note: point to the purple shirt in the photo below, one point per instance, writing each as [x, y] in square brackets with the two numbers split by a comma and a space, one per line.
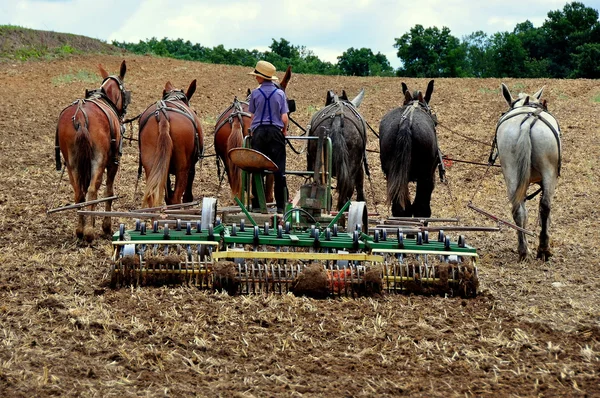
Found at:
[260, 109]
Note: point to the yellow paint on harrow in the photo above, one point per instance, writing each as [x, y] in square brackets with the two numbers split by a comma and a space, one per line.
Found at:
[297, 256]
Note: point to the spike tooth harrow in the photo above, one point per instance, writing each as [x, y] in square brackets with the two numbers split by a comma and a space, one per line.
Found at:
[249, 260]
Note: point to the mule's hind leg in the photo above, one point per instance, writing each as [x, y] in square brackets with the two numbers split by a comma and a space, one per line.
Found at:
[188, 196]
[111, 172]
[92, 194]
[543, 251]
[422, 203]
[79, 197]
[519, 213]
[360, 190]
[181, 180]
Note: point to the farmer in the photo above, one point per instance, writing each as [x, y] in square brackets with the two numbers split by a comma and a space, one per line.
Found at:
[269, 109]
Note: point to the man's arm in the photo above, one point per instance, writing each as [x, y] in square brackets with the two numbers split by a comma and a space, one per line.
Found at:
[285, 120]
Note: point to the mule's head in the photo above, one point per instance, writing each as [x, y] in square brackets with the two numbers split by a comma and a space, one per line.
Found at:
[523, 99]
[114, 89]
[173, 94]
[417, 95]
[332, 98]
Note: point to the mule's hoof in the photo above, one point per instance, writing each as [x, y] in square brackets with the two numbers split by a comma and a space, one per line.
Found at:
[544, 254]
[89, 235]
[107, 228]
[79, 233]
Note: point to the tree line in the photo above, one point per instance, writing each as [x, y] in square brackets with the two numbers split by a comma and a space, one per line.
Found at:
[566, 45]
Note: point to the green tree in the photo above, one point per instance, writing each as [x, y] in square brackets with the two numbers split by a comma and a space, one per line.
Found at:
[362, 62]
[567, 30]
[587, 61]
[430, 52]
[508, 55]
[477, 56]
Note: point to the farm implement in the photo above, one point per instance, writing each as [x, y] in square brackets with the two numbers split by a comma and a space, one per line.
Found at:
[308, 250]
[287, 256]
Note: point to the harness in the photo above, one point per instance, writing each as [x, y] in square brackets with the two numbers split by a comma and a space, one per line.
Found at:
[408, 115]
[170, 103]
[238, 112]
[99, 98]
[537, 114]
[337, 109]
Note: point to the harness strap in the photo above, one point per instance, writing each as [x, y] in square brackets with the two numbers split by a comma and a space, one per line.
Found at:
[537, 114]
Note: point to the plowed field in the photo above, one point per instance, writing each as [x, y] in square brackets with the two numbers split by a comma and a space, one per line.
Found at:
[533, 331]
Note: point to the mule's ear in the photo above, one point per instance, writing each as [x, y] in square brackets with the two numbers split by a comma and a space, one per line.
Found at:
[359, 98]
[429, 92]
[329, 98]
[286, 78]
[344, 96]
[407, 97]
[103, 72]
[404, 88]
[248, 92]
[123, 70]
[506, 93]
[191, 89]
[168, 86]
[539, 93]
[545, 104]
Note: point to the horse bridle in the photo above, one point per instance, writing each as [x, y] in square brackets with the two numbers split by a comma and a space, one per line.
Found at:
[125, 96]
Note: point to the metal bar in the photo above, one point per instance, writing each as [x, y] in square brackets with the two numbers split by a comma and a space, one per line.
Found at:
[299, 256]
[245, 211]
[425, 219]
[441, 228]
[133, 215]
[337, 217]
[165, 242]
[493, 217]
[82, 204]
[423, 251]
[167, 207]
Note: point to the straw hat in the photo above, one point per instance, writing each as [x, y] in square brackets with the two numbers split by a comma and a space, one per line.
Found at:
[264, 69]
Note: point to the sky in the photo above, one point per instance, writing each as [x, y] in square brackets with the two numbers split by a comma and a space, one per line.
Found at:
[326, 27]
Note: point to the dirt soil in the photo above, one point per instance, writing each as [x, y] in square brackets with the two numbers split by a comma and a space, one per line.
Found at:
[533, 331]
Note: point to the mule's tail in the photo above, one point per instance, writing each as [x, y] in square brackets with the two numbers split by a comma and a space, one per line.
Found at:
[523, 159]
[156, 183]
[234, 173]
[83, 154]
[397, 177]
[340, 160]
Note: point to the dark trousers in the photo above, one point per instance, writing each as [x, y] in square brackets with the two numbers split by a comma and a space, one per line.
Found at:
[270, 141]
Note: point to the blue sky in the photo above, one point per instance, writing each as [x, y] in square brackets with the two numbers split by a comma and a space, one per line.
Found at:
[326, 27]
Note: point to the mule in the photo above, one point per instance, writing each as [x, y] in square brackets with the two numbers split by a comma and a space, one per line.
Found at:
[529, 147]
[232, 125]
[88, 135]
[409, 153]
[171, 142]
[347, 130]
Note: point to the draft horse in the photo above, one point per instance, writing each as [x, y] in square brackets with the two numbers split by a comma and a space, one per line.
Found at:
[528, 144]
[231, 127]
[409, 153]
[88, 135]
[348, 133]
[171, 142]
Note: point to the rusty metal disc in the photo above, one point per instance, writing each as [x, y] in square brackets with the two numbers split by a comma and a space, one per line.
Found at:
[251, 160]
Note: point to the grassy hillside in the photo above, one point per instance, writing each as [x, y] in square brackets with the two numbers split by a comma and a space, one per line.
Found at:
[17, 43]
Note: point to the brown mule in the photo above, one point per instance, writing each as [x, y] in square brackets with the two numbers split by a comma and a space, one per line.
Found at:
[88, 135]
[171, 142]
[230, 129]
